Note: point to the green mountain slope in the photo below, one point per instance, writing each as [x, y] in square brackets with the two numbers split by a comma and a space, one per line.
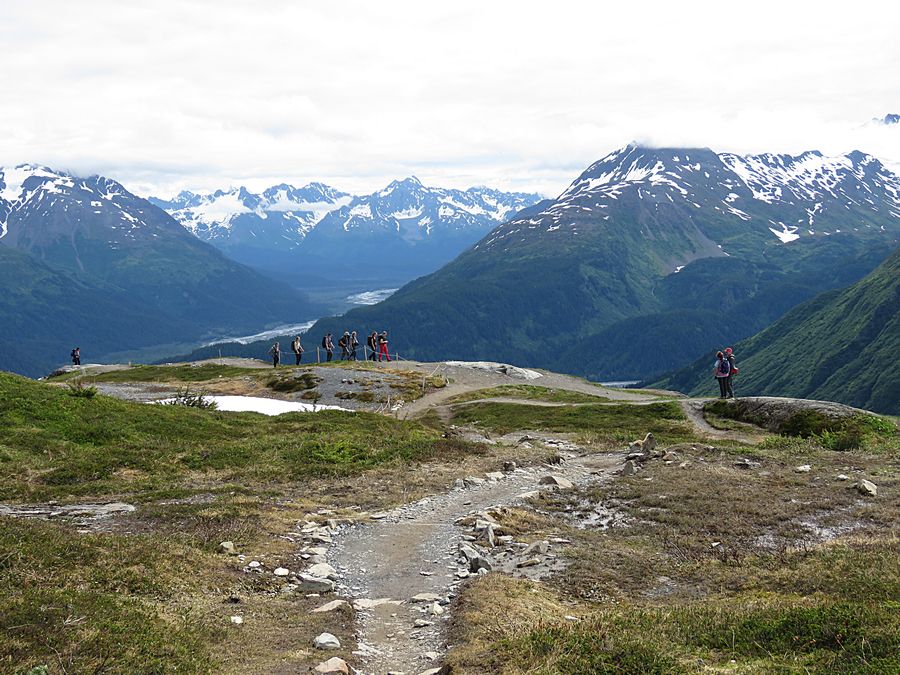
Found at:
[841, 346]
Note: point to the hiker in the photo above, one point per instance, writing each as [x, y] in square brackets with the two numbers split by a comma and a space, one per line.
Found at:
[383, 346]
[297, 348]
[733, 370]
[344, 344]
[275, 351]
[328, 346]
[372, 344]
[76, 356]
[354, 345]
[723, 370]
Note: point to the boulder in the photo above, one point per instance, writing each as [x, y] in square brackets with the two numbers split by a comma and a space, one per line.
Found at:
[322, 571]
[333, 665]
[311, 584]
[557, 481]
[436, 609]
[330, 606]
[327, 641]
[228, 547]
[630, 468]
[480, 563]
[867, 488]
[281, 572]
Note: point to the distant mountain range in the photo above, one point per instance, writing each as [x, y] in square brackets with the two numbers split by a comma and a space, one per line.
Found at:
[840, 346]
[86, 262]
[317, 233]
[649, 257]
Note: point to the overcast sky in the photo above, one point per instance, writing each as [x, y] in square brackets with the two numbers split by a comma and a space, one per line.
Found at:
[517, 95]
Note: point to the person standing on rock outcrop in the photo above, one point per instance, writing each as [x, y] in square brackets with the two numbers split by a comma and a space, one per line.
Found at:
[733, 370]
[76, 356]
[275, 351]
[722, 371]
[297, 348]
[383, 346]
[372, 344]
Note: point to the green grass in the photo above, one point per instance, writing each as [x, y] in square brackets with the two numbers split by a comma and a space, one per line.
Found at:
[303, 381]
[55, 446]
[90, 603]
[622, 422]
[530, 393]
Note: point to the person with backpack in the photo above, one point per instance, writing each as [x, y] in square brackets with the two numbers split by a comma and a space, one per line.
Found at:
[354, 345]
[722, 371]
[328, 346]
[372, 344]
[733, 370]
[275, 351]
[344, 344]
[76, 356]
[383, 346]
[297, 348]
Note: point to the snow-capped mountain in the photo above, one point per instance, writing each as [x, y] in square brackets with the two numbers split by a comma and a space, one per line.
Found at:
[280, 216]
[399, 232]
[887, 120]
[728, 200]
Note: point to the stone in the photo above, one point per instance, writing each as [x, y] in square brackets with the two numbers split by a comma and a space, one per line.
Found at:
[635, 456]
[333, 665]
[744, 463]
[487, 536]
[472, 481]
[803, 468]
[843, 476]
[228, 548]
[371, 603]
[431, 671]
[253, 564]
[531, 562]
[422, 623]
[459, 484]
[630, 468]
[494, 475]
[505, 539]
[281, 572]
[480, 563]
[509, 466]
[315, 550]
[310, 584]
[330, 606]
[327, 641]
[237, 620]
[436, 609]
[670, 456]
[557, 481]
[867, 487]
[323, 571]
[426, 597]
[540, 547]
[431, 656]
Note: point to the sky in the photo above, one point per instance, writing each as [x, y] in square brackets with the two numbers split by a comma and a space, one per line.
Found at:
[190, 94]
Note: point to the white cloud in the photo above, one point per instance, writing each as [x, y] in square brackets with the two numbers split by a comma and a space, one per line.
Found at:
[204, 94]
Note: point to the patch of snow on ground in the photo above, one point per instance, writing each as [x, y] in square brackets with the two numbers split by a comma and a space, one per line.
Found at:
[786, 234]
[512, 371]
[266, 406]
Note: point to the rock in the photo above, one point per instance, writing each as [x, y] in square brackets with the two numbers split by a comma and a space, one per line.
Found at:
[436, 609]
[630, 468]
[494, 475]
[635, 456]
[315, 550]
[425, 597]
[744, 463]
[228, 548]
[323, 571]
[505, 539]
[378, 516]
[557, 481]
[540, 547]
[422, 623]
[237, 620]
[480, 563]
[432, 671]
[487, 536]
[842, 476]
[321, 538]
[459, 483]
[531, 562]
[803, 468]
[867, 488]
[431, 656]
[509, 466]
[327, 641]
[333, 665]
[472, 481]
[281, 572]
[669, 456]
[253, 564]
[310, 584]
[329, 606]
[371, 603]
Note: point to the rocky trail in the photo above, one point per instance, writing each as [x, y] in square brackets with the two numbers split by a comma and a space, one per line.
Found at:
[402, 570]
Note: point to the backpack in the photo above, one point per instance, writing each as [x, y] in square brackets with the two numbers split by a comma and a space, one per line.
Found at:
[325, 342]
[724, 367]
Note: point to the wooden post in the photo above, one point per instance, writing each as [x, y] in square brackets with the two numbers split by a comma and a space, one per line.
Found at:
[318, 356]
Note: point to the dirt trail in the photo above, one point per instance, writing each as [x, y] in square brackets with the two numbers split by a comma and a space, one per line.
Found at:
[693, 410]
[414, 549]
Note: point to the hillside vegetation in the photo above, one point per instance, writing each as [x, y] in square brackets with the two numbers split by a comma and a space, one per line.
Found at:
[841, 346]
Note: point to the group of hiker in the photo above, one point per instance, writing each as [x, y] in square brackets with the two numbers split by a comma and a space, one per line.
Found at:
[376, 348]
[725, 371]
